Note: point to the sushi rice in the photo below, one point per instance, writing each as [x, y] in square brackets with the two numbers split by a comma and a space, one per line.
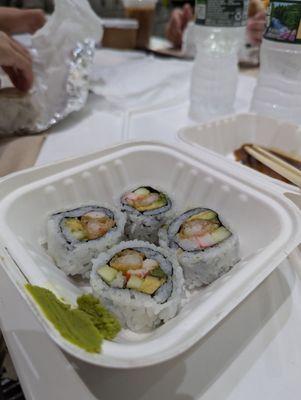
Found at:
[147, 210]
[71, 250]
[136, 310]
[205, 246]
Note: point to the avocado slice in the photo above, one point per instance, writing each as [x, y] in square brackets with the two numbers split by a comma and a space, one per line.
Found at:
[76, 229]
[134, 282]
[205, 215]
[220, 234]
[107, 273]
[158, 273]
[150, 284]
[161, 202]
[142, 191]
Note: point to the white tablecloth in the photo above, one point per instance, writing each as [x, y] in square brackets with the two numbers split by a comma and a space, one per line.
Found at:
[254, 353]
[101, 123]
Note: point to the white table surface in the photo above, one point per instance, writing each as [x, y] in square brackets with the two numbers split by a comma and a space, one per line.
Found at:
[254, 353]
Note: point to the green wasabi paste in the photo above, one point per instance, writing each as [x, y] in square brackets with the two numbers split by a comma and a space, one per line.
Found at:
[102, 319]
[85, 326]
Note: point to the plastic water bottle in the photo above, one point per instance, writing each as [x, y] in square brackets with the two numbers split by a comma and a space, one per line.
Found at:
[278, 90]
[218, 33]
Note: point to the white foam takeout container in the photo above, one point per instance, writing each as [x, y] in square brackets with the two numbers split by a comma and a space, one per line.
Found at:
[268, 225]
[228, 134]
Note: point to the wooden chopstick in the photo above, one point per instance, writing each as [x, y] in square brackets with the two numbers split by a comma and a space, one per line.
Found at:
[275, 163]
[286, 154]
[277, 159]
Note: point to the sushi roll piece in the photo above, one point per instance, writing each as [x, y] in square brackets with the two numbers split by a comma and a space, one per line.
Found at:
[75, 236]
[204, 244]
[139, 282]
[147, 210]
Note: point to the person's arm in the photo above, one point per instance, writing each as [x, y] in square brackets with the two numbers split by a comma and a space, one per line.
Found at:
[181, 16]
[177, 24]
[14, 20]
[16, 61]
[255, 27]
[256, 21]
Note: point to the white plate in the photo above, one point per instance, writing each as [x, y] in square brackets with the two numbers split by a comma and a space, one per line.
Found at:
[228, 134]
[267, 223]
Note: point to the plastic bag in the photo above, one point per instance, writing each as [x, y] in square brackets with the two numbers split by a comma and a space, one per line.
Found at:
[63, 52]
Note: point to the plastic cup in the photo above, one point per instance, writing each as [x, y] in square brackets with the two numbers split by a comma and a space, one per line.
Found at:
[143, 11]
[119, 33]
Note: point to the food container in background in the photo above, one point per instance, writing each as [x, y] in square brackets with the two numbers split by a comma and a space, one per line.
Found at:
[119, 33]
[226, 135]
[144, 12]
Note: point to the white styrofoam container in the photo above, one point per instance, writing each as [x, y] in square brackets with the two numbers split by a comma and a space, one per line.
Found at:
[267, 223]
[228, 134]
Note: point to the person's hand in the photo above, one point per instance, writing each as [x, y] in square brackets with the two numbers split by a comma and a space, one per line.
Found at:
[256, 21]
[255, 27]
[14, 20]
[31, 21]
[16, 62]
[177, 23]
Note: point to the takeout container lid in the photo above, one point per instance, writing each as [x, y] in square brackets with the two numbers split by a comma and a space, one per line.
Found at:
[196, 175]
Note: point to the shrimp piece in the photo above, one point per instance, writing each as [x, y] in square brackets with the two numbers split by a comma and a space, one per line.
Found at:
[197, 228]
[98, 226]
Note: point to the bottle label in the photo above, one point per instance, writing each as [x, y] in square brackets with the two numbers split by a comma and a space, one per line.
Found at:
[221, 13]
[284, 21]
